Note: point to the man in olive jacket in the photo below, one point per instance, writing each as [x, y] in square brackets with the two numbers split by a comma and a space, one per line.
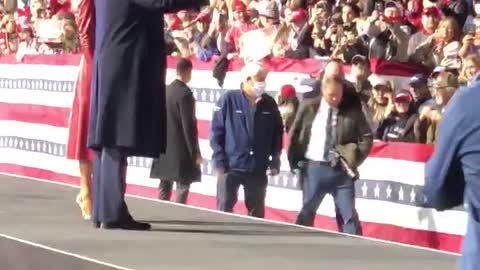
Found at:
[341, 141]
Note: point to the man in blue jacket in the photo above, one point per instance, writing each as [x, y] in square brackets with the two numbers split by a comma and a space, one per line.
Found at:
[246, 138]
[453, 172]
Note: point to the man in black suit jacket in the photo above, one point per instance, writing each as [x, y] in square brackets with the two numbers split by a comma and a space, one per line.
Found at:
[182, 159]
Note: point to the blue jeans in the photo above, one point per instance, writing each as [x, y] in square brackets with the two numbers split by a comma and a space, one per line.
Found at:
[320, 180]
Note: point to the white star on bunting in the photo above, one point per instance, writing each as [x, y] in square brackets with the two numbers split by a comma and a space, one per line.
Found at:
[389, 192]
[212, 96]
[364, 189]
[400, 194]
[412, 195]
[376, 191]
[295, 181]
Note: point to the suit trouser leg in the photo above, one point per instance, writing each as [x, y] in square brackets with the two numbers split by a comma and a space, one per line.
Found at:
[255, 190]
[344, 197]
[227, 191]
[181, 192]
[96, 172]
[111, 178]
[165, 190]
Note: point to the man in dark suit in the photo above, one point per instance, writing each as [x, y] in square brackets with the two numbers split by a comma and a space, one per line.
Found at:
[331, 135]
[127, 107]
[182, 159]
[452, 175]
[332, 70]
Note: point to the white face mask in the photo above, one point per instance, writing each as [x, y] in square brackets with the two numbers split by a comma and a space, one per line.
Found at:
[259, 88]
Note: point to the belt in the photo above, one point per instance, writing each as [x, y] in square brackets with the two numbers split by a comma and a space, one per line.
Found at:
[326, 163]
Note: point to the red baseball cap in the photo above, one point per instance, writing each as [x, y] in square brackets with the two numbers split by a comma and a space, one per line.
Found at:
[288, 91]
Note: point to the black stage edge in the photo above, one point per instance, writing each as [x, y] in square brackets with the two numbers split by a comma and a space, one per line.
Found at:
[182, 239]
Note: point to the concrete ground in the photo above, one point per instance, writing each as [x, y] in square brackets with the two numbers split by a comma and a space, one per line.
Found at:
[182, 238]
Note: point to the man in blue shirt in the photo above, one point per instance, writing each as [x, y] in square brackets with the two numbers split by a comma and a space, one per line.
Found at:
[246, 138]
[453, 172]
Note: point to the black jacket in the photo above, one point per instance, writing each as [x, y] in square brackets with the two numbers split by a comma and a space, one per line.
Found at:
[179, 161]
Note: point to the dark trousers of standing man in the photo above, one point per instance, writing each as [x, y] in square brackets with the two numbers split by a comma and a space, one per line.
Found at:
[181, 191]
[321, 179]
[109, 185]
[254, 187]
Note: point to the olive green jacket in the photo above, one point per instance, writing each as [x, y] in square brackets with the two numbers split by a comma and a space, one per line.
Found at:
[354, 136]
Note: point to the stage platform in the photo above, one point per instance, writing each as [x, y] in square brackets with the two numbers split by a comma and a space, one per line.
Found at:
[41, 229]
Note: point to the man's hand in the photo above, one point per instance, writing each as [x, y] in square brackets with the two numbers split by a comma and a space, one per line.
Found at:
[220, 172]
[273, 172]
[199, 161]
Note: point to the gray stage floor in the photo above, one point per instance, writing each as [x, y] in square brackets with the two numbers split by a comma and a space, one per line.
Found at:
[182, 238]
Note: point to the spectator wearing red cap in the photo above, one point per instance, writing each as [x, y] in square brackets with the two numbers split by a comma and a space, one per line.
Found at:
[28, 44]
[288, 105]
[399, 125]
[300, 35]
[204, 38]
[241, 25]
[431, 17]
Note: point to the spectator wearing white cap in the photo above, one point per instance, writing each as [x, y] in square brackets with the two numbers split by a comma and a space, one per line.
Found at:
[246, 138]
[381, 101]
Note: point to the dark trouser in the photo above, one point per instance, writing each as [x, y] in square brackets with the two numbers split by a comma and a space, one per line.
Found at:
[109, 184]
[181, 191]
[254, 187]
[321, 179]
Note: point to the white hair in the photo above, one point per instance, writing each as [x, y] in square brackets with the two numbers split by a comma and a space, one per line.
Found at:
[253, 69]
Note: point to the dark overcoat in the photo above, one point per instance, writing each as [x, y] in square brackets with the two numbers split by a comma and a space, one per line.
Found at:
[179, 161]
[128, 84]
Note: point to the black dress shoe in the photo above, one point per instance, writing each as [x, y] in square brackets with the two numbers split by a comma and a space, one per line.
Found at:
[96, 224]
[126, 225]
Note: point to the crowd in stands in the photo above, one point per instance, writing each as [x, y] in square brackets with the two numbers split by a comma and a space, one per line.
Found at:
[443, 36]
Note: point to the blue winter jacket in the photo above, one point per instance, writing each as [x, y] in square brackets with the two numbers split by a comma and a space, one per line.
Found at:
[245, 137]
[453, 172]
